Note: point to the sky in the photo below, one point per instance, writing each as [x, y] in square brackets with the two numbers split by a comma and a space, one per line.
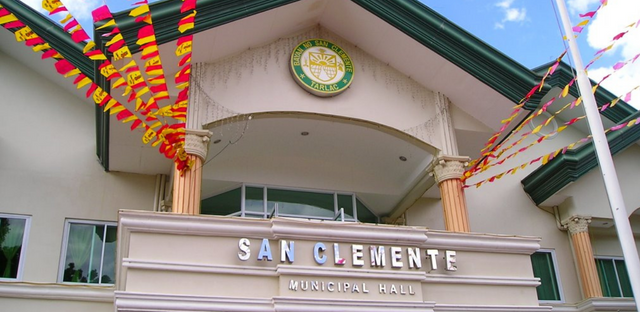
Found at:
[528, 31]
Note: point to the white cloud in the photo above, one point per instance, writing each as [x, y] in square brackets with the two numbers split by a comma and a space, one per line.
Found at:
[80, 9]
[580, 6]
[511, 14]
[610, 21]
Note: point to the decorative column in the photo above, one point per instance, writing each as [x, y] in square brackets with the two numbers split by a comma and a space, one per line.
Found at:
[448, 172]
[187, 186]
[579, 231]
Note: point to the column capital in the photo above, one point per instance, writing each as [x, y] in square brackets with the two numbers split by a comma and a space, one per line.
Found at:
[449, 167]
[196, 142]
[577, 224]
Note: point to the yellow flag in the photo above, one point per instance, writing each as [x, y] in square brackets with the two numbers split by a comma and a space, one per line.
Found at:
[565, 91]
[99, 95]
[89, 46]
[108, 70]
[8, 19]
[116, 109]
[121, 53]
[66, 19]
[150, 134]
[115, 39]
[110, 104]
[85, 81]
[139, 10]
[107, 24]
[25, 33]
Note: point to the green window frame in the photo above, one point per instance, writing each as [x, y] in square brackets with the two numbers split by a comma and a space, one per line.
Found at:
[14, 232]
[614, 278]
[88, 253]
[260, 201]
[544, 266]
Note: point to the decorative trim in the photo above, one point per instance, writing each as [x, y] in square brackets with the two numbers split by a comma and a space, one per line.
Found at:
[290, 304]
[481, 280]
[549, 179]
[196, 142]
[597, 304]
[57, 292]
[146, 302]
[287, 228]
[197, 268]
[417, 276]
[489, 308]
[577, 224]
[449, 167]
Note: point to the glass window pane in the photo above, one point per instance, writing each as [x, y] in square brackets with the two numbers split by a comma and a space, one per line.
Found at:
[11, 238]
[222, 204]
[109, 262]
[254, 199]
[608, 278]
[346, 202]
[301, 203]
[543, 268]
[623, 278]
[364, 214]
[79, 252]
[90, 254]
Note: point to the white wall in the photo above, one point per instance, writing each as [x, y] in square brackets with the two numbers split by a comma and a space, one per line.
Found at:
[48, 167]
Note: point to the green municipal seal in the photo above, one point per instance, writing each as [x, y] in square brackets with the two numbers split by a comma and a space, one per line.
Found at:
[321, 67]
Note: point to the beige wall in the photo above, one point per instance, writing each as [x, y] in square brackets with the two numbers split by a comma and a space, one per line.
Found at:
[259, 80]
[588, 195]
[48, 167]
[19, 304]
[503, 207]
[196, 257]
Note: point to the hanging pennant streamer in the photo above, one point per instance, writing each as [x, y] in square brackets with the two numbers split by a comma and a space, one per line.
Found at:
[489, 156]
[67, 69]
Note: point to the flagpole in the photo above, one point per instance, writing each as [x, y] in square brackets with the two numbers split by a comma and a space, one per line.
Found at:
[603, 153]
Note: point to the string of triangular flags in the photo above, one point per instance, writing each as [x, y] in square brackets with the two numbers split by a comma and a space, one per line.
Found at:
[489, 145]
[545, 158]
[170, 137]
[491, 156]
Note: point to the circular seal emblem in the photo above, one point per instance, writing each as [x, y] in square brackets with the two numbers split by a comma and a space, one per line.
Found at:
[321, 67]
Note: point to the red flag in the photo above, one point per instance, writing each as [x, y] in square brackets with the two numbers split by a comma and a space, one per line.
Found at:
[63, 66]
[101, 13]
[79, 36]
[71, 24]
[49, 53]
[188, 5]
[14, 24]
[124, 114]
[34, 41]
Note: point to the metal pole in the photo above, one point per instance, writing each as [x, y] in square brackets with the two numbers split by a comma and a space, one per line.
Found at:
[605, 160]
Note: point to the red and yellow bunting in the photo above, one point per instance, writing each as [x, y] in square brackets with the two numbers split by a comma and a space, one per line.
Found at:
[169, 137]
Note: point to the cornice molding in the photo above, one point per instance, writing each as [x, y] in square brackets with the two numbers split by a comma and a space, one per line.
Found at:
[57, 292]
[547, 180]
[51, 33]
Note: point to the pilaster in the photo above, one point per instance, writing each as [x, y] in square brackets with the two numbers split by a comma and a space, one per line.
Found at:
[187, 186]
[578, 227]
[447, 172]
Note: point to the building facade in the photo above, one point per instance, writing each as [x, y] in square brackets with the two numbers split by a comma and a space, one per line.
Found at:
[331, 139]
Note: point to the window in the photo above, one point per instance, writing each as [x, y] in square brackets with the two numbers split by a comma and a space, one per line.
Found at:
[544, 267]
[613, 277]
[265, 202]
[89, 252]
[13, 243]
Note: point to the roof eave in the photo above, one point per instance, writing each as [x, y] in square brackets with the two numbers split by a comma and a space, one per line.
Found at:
[549, 179]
